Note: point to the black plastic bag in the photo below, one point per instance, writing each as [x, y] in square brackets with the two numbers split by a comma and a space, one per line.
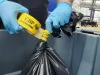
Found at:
[70, 27]
[45, 61]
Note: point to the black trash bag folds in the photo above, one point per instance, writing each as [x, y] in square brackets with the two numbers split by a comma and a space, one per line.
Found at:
[45, 61]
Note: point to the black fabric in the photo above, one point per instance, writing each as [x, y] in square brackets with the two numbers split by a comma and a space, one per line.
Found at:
[37, 8]
[45, 61]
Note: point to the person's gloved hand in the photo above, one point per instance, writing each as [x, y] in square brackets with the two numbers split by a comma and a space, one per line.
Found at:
[59, 16]
[8, 14]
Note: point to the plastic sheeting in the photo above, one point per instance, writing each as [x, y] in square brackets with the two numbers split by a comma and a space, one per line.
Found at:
[45, 61]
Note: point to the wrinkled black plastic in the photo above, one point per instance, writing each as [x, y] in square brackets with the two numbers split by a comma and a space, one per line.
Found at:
[45, 61]
[69, 28]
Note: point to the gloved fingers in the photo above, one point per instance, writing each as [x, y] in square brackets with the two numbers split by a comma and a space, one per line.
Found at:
[49, 25]
[11, 27]
[56, 23]
[22, 9]
[11, 32]
[20, 28]
[67, 20]
[67, 17]
[16, 27]
[7, 25]
[61, 21]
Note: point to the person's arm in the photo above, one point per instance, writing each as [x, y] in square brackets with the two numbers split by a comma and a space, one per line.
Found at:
[70, 1]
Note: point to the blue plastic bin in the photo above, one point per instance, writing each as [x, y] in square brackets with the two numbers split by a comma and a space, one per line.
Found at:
[81, 52]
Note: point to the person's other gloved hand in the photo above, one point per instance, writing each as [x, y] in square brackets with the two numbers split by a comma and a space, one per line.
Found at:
[8, 14]
[59, 16]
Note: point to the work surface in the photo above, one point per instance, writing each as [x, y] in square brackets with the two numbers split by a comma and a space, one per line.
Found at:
[89, 27]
